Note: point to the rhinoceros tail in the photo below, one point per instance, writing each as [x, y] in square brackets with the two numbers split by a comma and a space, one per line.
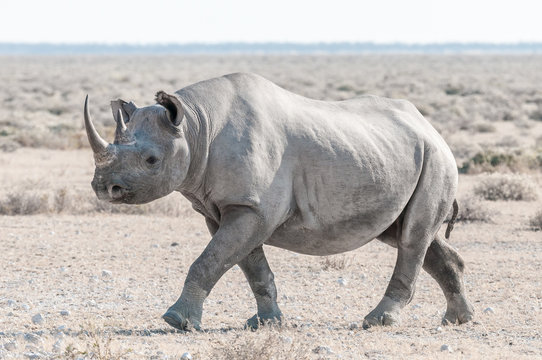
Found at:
[452, 220]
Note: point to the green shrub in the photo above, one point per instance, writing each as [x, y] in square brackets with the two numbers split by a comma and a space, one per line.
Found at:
[488, 161]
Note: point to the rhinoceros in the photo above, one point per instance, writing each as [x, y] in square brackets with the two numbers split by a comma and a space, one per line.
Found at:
[266, 166]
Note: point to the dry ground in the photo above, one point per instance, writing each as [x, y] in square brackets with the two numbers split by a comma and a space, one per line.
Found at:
[115, 274]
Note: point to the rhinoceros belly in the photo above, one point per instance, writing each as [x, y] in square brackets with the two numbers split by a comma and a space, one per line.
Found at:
[328, 240]
[327, 221]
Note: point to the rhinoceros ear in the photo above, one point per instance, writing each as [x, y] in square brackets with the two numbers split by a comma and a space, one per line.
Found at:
[127, 109]
[175, 111]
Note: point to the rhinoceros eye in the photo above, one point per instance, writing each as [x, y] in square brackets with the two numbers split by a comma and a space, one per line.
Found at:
[151, 160]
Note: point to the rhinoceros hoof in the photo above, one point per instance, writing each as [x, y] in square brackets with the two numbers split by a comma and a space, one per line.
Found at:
[459, 311]
[257, 320]
[454, 317]
[176, 320]
[383, 319]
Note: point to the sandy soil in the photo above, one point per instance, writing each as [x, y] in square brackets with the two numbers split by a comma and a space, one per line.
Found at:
[116, 275]
[101, 281]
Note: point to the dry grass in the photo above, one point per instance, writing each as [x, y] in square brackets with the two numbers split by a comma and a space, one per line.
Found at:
[24, 203]
[62, 200]
[335, 262]
[95, 344]
[267, 344]
[506, 187]
[473, 209]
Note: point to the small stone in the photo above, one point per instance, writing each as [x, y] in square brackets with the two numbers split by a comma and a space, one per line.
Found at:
[446, 347]
[489, 310]
[155, 246]
[62, 269]
[12, 303]
[31, 348]
[33, 355]
[439, 329]
[58, 345]
[32, 338]
[61, 328]
[107, 273]
[64, 312]
[38, 319]
[186, 356]
[322, 350]
[416, 306]
[10, 346]
[25, 307]
[174, 243]
[353, 325]
[342, 282]
[287, 339]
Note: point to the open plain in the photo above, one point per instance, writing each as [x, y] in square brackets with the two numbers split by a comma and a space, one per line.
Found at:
[86, 279]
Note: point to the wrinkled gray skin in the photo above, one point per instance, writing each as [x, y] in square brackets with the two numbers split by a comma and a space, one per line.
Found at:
[266, 166]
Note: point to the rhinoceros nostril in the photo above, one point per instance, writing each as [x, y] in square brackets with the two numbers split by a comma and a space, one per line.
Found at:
[116, 191]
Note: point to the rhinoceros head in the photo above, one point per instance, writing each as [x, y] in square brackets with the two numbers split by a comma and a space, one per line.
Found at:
[149, 157]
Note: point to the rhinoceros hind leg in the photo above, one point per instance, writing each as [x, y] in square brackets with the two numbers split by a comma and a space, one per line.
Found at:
[416, 230]
[445, 265]
[261, 280]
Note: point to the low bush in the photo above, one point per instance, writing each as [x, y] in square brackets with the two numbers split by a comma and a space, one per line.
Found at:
[506, 187]
[484, 127]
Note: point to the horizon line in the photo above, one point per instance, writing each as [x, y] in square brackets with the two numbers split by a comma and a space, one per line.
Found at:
[265, 47]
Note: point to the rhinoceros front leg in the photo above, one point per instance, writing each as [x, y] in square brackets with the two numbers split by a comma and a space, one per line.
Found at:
[261, 280]
[241, 230]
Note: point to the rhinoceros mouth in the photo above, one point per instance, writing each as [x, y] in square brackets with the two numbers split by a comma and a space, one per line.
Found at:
[127, 198]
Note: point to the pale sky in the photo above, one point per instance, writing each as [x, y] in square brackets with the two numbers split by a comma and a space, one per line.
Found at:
[211, 21]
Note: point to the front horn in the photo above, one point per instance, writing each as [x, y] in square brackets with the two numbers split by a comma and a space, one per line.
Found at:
[98, 145]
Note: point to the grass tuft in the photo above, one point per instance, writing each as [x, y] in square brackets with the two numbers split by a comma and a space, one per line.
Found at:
[536, 221]
[266, 344]
[339, 262]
